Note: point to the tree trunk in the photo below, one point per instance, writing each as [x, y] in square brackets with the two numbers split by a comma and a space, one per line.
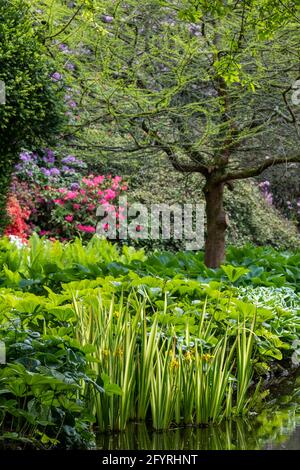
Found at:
[216, 225]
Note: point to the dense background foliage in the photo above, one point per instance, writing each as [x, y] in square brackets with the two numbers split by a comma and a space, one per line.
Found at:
[33, 110]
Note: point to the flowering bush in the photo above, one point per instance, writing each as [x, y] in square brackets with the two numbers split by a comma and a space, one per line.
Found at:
[264, 187]
[52, 196]
[290, 209]
[74, 211]
[18, 226]
[32, 197]
[45, 167]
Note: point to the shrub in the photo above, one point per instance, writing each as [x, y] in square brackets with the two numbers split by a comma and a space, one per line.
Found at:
[45, 166]
[61, 200]
[18, 226]
[33, 111]
[285, 188]
[74, 212]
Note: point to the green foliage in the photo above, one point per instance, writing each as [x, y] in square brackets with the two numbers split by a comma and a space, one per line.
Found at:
[40, 388]
[234, 273]
[203, 334]
[50, 264]
[252, 220]
[285, 189]
[33, 110]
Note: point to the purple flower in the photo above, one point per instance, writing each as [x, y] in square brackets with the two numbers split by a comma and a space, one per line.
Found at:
[72, 104]
[25, 157]
[64, 48]
[49, 153]
[265, 189]
[48, 159]
[49, 156]
[264, 185]
[75, 186]
[67, 169]
[85, 50]
[195, 30]
[54, 172]
[70, 66]
[107, 19]
[19, 167]
[56, 76]
[69, 159]
[269, 199]
[45, 171]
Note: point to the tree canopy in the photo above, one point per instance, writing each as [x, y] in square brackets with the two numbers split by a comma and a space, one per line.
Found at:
[211, 85]
[208, 84]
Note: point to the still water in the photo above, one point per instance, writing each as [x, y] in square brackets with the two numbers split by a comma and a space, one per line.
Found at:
[276, 426]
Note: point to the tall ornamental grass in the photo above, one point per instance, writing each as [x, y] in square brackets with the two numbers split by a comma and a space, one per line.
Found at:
[149, 376]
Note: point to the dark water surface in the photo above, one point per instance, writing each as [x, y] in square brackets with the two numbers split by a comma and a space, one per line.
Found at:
[276, 427]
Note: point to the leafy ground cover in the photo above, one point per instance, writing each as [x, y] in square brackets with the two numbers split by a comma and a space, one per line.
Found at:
[97, 336]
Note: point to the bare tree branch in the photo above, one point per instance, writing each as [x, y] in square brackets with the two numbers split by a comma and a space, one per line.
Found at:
[257, 170]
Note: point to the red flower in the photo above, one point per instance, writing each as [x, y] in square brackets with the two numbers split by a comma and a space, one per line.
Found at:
[18, 219]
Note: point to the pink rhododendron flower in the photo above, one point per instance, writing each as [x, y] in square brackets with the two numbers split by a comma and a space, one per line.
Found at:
[99, 179]
[88, 181]
[71, 194]
[86, 228]
[109, 194]
[80, 198]
[117, 179]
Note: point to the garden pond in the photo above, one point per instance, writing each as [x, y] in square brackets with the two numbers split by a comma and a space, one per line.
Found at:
[276, 427]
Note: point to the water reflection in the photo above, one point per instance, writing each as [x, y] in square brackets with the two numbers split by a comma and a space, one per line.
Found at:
[276, 427]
